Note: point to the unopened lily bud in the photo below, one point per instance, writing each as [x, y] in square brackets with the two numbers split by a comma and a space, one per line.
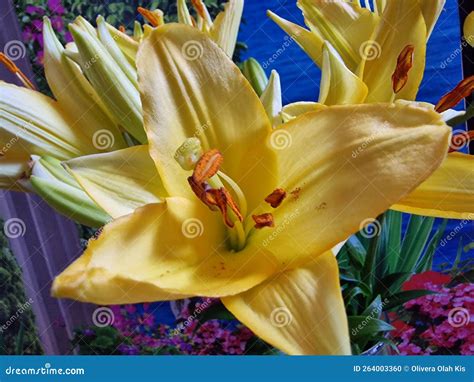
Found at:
[255, 74]
[62, 192]
[189, 153]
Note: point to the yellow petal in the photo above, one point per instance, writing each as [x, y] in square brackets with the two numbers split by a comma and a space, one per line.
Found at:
[293, 110]
[431, 10]
[127, 45]
[469, 29]
[202, 94]
[339, 86]
[161, 251]
[75, 94]
[226, 26]
[299, 311]
[120, 181]
[368, 157]
[271, 99]
[448, 192]
[402, 24]
[347, 26]
[39, 124]
[310, 42]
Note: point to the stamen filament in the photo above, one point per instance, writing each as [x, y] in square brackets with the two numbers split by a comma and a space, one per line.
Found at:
[237, 190]
[12, 68]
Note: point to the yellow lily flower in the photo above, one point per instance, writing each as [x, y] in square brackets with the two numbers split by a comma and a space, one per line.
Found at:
[242, 211]
[367, 41]
[359, 64]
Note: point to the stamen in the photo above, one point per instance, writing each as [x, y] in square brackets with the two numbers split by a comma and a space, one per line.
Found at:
[223, 200]
[199, 7]
[155, 18]
[207, 166]
[404, 64]
[451, 99]
[276, 197]
[263, 220]
[202, 11]
[12, 68]
[122, 29]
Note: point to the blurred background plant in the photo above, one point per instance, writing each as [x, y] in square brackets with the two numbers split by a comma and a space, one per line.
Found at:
[18, 334]
[377, 262]
[199, 329]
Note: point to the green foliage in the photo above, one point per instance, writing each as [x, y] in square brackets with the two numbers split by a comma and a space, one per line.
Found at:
[17, 327]
[98, 341]
[375, 263]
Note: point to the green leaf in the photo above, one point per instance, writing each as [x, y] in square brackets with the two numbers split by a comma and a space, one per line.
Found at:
[393, 231]
[366, 326]
[426, 262]
[375, 306]
[356, 252]
[368, 270]
[416, 237]
[390, 283]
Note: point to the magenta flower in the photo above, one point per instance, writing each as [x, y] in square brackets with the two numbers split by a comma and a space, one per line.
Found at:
[56, 6]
